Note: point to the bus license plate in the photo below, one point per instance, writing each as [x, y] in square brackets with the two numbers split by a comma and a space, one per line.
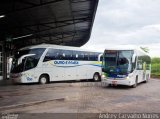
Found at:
[114, 82]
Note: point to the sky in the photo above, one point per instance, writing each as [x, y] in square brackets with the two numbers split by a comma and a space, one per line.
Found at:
[126, 22]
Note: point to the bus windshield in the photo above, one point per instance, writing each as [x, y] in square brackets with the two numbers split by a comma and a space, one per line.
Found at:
[118, 62]
[26, 59]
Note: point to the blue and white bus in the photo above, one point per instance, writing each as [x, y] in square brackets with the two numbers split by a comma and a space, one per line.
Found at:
[45, 63]
[125, 66]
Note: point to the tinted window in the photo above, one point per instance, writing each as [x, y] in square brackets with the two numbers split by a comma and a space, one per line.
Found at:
[30, 62]
[80, 55]
[92, 57]
[52, 54]
[110, 58]
[75, 55]
[61, 55]
[96, 56]
[143, 62]
[66, 54]
[56, 54]
[36, 51]
[19, 67]
[86, 56]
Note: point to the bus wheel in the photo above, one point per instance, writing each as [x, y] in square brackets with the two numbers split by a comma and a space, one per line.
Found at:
[109, 85]
[43, 79]
[147, 79]
[96, 77]
[136, 82]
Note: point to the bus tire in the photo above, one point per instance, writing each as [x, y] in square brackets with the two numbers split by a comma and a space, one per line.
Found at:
[96, 77]
[136, 82]
[109, 85]
[44, 79]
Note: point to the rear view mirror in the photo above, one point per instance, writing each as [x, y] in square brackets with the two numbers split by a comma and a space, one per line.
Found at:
[22, 59]
[133, 58]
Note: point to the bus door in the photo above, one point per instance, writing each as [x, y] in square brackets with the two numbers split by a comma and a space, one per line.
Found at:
[29, 66]
[144, 71]
[140, 70]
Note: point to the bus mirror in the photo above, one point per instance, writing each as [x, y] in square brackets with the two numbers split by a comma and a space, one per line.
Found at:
[133, 58]
[22, 59]
[102, 69]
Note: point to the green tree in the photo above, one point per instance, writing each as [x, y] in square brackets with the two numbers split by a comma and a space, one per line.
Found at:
[155, 73]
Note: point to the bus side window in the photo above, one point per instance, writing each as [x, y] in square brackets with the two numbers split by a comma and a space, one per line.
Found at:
[139, 65]
[61, 55]
[30, 63]
[75, 55]
[80, 55]
[148, 63]
[52, 54]
[48, 56]
[92, 56]
[96, 56]
[86, 56]
[134, 64]
[68, 55]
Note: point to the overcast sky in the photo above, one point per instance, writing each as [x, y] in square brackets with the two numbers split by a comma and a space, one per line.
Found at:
[127, 22]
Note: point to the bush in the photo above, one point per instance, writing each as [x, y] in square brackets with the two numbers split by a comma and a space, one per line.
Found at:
[155, 69]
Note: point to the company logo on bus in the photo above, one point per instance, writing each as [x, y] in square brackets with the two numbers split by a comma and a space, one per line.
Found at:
[66, 62]
[121, 76]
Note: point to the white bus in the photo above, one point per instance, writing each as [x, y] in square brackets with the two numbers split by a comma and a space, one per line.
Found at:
[125, 66]
[45, 63]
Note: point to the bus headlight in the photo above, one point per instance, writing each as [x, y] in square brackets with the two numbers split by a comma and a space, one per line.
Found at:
[103, 76]
[127, 77]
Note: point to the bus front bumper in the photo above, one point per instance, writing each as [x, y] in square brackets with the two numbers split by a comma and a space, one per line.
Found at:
[19, 78]
[117, 81]
[16, 78]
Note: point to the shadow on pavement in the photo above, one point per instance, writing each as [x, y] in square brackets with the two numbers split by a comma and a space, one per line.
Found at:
[9, 82]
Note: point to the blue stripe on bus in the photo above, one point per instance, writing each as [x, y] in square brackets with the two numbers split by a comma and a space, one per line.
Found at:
[79, 65]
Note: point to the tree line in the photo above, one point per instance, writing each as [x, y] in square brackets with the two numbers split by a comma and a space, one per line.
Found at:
[155, 67]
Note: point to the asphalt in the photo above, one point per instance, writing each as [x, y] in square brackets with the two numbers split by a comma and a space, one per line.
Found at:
[80, 97]
[5, 82]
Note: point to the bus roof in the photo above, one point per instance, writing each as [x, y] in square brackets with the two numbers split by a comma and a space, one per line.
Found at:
[135, 48]
[122, 48]
[57, 47]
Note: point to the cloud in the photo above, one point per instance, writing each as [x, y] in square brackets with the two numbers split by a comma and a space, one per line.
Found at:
[119, 14]
[129, 22]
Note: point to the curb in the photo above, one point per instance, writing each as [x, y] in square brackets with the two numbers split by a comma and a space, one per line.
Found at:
[30, 104]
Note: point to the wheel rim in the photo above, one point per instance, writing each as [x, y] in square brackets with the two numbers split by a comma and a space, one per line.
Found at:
[96, 78]
[43, 80]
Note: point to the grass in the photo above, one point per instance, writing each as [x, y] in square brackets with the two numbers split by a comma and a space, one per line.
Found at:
[155, 75]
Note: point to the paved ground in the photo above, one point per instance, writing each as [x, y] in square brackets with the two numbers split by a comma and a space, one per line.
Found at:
[80, 97]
